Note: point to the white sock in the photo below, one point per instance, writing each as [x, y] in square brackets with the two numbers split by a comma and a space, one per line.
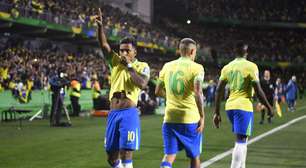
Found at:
[119, 166]
[239, 155]
[127, 164]
[245, 155]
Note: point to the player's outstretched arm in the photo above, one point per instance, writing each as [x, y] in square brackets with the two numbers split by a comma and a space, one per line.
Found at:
[218, 96]
[101, 35]
[262, 97]
[198, 94]
[160, 89]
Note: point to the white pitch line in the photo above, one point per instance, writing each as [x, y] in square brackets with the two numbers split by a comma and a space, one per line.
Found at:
[253, 140]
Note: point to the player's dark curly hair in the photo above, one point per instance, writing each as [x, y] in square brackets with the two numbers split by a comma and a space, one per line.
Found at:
[129, 40]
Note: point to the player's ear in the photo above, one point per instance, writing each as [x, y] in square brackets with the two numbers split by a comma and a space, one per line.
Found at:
[192, 51]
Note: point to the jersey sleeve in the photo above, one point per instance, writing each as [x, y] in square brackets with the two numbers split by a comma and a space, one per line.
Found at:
[199, 74]
[162, 74]
[115, 58]
[145, 70]
[254, 74]
[223, 74]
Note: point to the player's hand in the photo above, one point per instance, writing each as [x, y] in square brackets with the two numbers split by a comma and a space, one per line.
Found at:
[217, 120]
[99, 18]
[200, 125]
[124, 60]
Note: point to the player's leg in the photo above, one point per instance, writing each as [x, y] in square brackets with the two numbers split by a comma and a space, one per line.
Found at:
[126, 158]
[112, 135]
[113, 159]
[191, 141]
[240, 152]
[195, 162]
[168, 161]
[242, 126]
[129, 135]
[171, 145]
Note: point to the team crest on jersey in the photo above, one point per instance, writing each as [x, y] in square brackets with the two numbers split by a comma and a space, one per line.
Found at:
[146, 71]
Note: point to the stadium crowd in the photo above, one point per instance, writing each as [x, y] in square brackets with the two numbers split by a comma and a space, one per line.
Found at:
[266, 45]
[24, 62]
[271, 45]
[21, 61]
[82, 14]
[254, 10]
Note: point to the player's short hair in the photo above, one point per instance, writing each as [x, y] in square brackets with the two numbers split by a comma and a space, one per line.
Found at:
[129, 40]
[186, 44]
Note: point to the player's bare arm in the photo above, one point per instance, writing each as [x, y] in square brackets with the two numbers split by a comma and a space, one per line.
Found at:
[139, 80]
[198, 94]
[218, 97]
[262, 97]
[101, 35]
[160, 89]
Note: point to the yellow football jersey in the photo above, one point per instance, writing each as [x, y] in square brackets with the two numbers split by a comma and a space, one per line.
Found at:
[240, 74]
[121, 78]
[178, 77]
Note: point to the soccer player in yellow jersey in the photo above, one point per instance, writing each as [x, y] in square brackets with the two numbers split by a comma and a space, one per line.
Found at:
[180, 81]
[242, 77]
[128, 77]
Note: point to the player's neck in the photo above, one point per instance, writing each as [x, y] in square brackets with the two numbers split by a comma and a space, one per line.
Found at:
[185, 58]
[240, 57]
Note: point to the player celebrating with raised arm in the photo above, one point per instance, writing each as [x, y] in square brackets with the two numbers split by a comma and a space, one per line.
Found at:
[242, 76]
[180, 81]
[128, 77]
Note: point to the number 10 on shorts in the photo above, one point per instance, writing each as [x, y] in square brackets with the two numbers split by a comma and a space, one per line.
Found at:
[131, 136]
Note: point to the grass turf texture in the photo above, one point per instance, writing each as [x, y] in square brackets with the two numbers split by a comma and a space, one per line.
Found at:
[37, 145]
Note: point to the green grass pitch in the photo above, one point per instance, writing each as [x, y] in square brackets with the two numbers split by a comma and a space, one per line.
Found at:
[37, 145]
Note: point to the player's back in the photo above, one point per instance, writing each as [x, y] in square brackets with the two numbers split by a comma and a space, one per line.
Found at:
[178, 77]
[239, 74]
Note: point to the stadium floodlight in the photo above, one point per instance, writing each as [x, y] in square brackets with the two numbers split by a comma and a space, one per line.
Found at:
[188, 21]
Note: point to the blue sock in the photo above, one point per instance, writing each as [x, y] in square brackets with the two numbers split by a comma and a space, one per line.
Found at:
[127, 161]
[165, 165]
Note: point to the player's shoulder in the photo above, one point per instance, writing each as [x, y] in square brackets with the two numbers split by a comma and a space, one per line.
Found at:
[228, 65]
[169, 64]
[142, 64]
[251, 65]
[197, 66]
